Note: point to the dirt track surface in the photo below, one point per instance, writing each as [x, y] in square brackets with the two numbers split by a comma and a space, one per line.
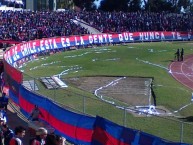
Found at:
[182, 71]
[131, 90]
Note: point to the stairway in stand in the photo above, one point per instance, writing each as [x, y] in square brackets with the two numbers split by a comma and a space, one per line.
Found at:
[1, 53]
[85, 25]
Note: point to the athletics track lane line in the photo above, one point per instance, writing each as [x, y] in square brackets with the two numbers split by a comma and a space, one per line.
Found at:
[182, 71]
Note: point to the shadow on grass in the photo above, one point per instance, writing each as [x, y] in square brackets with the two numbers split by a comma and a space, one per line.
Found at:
[188, 119]
[169, 60]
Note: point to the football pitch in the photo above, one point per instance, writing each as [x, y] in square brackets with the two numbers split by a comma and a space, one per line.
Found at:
[111, 81]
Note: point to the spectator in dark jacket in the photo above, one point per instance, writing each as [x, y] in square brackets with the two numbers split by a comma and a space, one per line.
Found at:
[4, 101]
[7, 134]
[40, 138]
[182, 54]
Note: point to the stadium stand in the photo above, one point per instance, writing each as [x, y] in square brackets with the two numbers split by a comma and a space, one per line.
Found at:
[27, 25]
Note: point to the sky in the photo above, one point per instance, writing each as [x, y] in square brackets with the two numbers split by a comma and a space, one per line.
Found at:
[97, 2]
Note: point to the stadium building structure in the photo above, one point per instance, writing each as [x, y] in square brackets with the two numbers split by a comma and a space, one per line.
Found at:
[39, 4]
[48, 4]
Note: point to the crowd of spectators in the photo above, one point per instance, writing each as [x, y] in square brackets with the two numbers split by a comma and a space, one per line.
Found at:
[40, 136]
[29, 25]
[137, 21]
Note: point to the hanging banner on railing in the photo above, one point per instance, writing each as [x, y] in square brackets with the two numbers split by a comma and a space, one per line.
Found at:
[13, 73]
[75, 127]
[19, 51]
[106, 132]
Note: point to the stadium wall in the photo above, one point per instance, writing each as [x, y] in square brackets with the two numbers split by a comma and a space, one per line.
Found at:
[77, 128]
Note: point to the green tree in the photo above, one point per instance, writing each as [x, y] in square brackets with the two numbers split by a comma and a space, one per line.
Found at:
[134, 5]
[184, 3]
[114, 5]
[85, 4]
[159, 5]
[167, 5]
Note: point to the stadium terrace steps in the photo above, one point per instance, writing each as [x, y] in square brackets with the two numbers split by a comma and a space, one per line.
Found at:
[49, 83]
[53, 82]
[30, 84]
[16, 118]
[86, 26]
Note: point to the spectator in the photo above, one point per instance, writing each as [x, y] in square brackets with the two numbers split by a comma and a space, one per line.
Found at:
[182, 54]
[53, 139]
[177, 54]
[2, 81]
[7, 134]
[4, 101]
[34, 116]
[40, 138]
[60, 140]
[2, 122]
[3, 115]
[19, 134]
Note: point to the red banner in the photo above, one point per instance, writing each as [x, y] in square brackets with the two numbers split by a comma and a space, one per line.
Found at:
[13, 72]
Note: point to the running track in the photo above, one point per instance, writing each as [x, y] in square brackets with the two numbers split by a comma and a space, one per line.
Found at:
[182, 71]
